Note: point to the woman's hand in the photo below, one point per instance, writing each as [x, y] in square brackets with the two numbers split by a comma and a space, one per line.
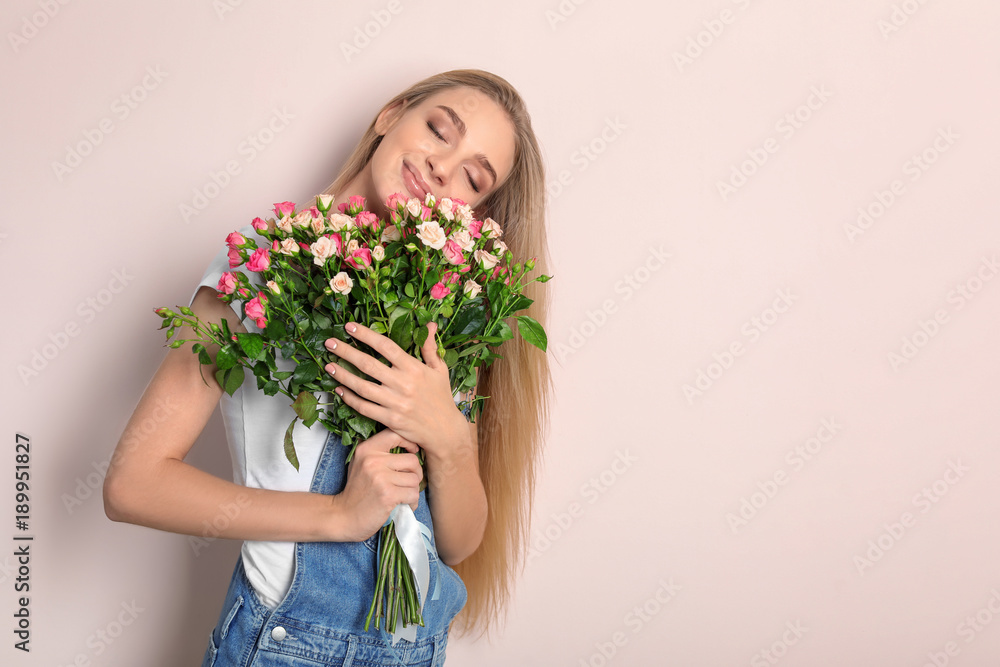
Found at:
[411, 397]
[377, 481]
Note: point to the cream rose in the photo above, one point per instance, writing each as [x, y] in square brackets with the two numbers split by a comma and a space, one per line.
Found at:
[352, 245]
[487, 259]
[490, 225]
[471, 288]
[464, 239]
[284, 223]
[323, 249]
[289, 247]
[446, 209]
[341, 283]
[499, 248]
[432, 234]
[390, 234]
[339, 221]
[318, 226]
[464, 214]
[414, 207]
[378, 253]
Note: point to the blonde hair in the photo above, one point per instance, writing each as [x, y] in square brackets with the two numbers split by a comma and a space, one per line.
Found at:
[515, 416]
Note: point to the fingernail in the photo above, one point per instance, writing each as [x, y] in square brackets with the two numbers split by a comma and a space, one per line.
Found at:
[352, 328]
[340, 392]
[331, 369]
[332, 346]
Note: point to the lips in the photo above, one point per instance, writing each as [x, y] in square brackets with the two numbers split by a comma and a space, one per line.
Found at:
[414, 182]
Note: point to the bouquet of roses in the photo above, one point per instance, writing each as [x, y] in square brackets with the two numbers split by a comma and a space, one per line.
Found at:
[321, 269]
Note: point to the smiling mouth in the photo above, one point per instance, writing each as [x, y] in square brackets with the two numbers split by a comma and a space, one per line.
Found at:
[414, 183]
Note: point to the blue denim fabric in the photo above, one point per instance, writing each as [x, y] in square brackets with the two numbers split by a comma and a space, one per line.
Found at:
[321, 620]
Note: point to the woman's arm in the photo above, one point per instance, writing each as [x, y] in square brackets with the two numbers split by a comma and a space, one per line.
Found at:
[456, 498]
[148, 483]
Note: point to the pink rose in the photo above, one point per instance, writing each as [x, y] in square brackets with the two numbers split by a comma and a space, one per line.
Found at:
[440, 291]
[255, 310]
[235, 258]
[450, 277]
[355, 204]
[227, 283]
[259, 224]
[360, 258]
[425, 213]
[243, 292]
[260, 260]
[283, 209]
[366, 219]
[474, 228]
[394, 200]
[453, 252]
[235, 240]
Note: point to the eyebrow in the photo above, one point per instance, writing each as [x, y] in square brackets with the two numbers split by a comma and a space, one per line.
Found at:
[461, 130]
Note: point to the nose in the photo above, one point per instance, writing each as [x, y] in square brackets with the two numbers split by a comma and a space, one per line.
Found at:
[441, 169]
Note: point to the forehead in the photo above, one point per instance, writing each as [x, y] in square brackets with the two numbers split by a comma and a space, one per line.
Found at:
[488, 129]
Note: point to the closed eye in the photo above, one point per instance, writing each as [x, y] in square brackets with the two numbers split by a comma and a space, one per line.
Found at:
[437, 134]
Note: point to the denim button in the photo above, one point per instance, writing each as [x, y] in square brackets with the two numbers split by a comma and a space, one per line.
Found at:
[278, 634]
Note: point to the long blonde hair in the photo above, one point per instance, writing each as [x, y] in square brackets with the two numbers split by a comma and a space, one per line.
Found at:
[515, 416]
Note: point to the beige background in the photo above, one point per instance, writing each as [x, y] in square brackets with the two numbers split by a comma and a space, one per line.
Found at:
[810, 111]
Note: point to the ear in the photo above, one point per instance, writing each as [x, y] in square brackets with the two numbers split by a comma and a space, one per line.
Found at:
[388, 116]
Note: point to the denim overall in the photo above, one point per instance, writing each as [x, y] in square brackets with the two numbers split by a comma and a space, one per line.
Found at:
[321, 620]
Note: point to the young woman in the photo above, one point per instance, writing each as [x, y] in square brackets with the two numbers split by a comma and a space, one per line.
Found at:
[303, 583]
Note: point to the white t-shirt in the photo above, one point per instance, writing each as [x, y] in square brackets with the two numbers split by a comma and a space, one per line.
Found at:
[255, 429]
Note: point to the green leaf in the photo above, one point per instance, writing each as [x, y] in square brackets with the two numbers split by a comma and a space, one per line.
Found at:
[363, 425]
[252, 344]
[409, 290]
[290, 446]
[401, 332]
[450, 357]
[275, 329]
[271, 387]
[282, 375]
[470, 321]
[226, 358]
[203, 355]
[234, 379]
[305, 371]
[520, 303]
[377, 327]
[305, 407]
[532, 332]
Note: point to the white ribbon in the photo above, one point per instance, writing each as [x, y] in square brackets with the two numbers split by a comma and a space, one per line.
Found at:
[411, 534]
